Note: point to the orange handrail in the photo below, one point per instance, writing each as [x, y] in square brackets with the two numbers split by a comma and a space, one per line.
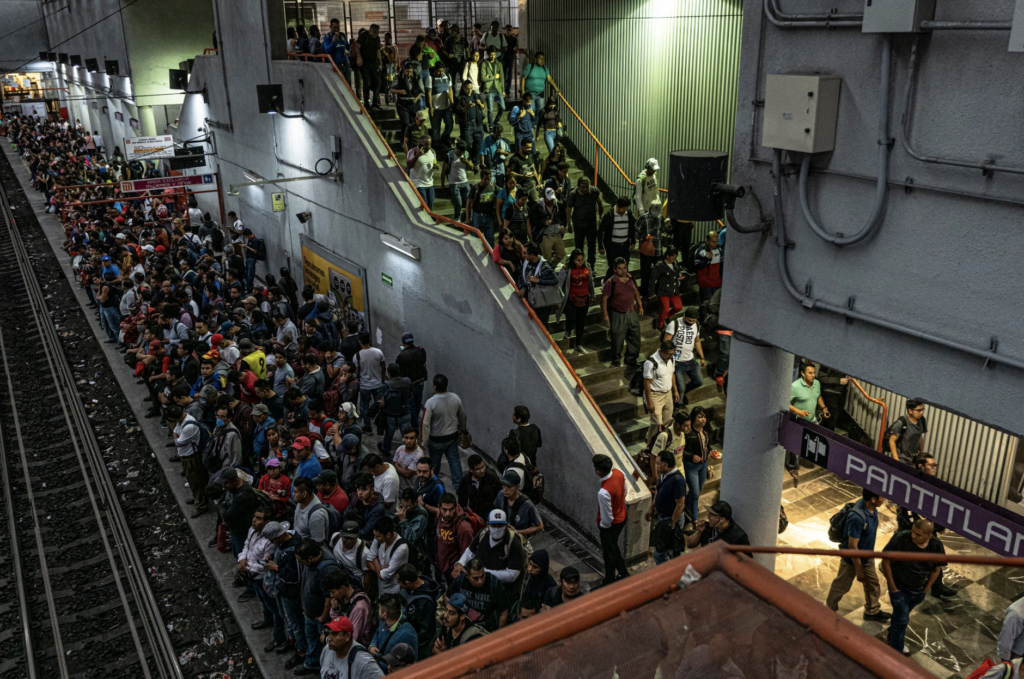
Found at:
[1015, 561]
[885, 411]
[467, 229]
[209, 50]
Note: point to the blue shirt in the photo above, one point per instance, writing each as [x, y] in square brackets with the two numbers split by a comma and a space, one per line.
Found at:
[336, 50]
[310, 469]
[855, 529]
[432, 491]
[671, 487]
[259, 441]
[489, 151]
[524, 125]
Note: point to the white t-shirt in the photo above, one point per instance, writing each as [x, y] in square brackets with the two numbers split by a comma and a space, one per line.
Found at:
[422, 172]
[368, 362]
[684, 337]
[391, 559]
[387, 484]
[348, 559]
[363, 666]
[659, 372]
[457, 168]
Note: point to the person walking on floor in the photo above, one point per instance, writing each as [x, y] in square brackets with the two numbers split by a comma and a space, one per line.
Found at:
[611, 517]
[444, 419]
[622, 308]
[859, 532]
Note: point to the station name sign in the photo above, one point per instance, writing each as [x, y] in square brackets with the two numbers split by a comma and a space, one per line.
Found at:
[984, 522]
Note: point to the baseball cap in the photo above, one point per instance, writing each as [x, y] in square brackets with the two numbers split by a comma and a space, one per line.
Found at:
[155, 344]
[399, 656]
[348, 441]
[148, 248]
[246, 345]
[160, 248]
[342, 624]
[653, 164]
[224, 327]
[271, 360]
[216, 339]
[121, 236]
[250, 300]
[326, 477]
[350, 529]
[510, 478]
[105, 258]
[691, 312]
[569, 573]
[260, 409]
[407, 338]
[349, 408]
[497, 516]
[421, 114]
[300, 443]
[272, 462]
[459, 602]
[273, 529]
[549, 194]
[722, 509]
[225, 475]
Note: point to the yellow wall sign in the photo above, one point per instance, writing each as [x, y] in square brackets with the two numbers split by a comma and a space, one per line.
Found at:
[277, 199]
[327, 272]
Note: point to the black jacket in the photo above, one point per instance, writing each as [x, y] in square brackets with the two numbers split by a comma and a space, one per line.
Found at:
[605, 229]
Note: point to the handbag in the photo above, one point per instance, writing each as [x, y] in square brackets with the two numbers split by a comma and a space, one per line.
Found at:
[647, 247]
[541, 296]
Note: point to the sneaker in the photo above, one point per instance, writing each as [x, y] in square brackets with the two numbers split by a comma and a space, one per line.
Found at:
[249, 595]
[284, 646]
[942, 591]
[262, 624]
[272, 646]
[616, 364]
[307, 671]
[880, 616]
[293, 661]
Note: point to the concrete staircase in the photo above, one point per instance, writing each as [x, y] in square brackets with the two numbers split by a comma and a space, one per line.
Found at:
[607, 385]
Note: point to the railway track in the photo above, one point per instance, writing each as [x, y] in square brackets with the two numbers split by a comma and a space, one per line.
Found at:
[75, 601]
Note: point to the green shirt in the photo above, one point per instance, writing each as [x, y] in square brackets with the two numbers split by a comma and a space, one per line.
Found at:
[805, 398]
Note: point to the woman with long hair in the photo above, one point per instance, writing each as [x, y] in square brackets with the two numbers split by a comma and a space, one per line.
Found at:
[695, 459]
[577, 283]
[550, 123]
[508, 253]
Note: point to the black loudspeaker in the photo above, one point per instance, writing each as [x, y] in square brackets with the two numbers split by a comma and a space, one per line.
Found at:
[111, 67]
[62, 57]
[178, 79]
[269, 98]
[76, 60]
[51, 56]
[92, 65]
[692, 174]
[43, 56]
[187, 158]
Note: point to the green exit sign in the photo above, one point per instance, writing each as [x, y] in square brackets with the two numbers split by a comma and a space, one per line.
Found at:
[387, 280]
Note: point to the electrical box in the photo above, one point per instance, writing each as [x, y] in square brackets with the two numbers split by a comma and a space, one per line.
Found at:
[896, 16]
[800, 112]
[1017, 28]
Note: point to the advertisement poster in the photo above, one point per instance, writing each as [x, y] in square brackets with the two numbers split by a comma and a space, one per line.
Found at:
[330, 273]
[148, 148]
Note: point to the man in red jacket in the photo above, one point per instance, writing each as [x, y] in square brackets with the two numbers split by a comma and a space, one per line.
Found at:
[611, 517]
[454, 533]
[707, 260]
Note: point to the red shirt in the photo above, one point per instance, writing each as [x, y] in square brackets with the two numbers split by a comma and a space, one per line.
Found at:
[338, 498]
[579, 285]
[279, 489]
[248, 387]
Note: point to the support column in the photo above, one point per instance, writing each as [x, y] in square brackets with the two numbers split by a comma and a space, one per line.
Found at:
[752, 461]
[147, 122]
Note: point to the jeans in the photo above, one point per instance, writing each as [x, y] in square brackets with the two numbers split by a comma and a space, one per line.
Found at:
[614, 564]
[313, 645]
[428, 195]
[250, 273]
[551, 138]
[371, 84]
[270, 612]
[473, 135]
[902, 603]
[416, 403]
[521, 137]
[696, 474]
[110, 320]
[485, 223]
[587, 234]
[495, 103]
[442, 116]
[460, 194]
[612, 251]
[237, 544]
[346, 70]
[367, 397]
[646, 264]
[576, 320]
[689, 369]
[450, 450]
[406, 110]
[295, 628]
[399, 422]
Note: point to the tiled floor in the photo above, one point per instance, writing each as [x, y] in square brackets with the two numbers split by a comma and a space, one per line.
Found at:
[948, 637]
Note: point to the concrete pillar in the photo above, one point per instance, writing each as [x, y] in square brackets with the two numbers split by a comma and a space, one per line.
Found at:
[752, 461]
[147, 122]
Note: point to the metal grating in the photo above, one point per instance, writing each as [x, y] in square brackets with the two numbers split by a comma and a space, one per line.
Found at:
[454, 12]
[970, 455]
[362, 13]
[411, 19]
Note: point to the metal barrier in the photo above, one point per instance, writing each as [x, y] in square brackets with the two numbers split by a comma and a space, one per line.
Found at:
[885, 411]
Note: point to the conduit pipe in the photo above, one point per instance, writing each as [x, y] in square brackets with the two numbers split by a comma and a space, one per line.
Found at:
[777, 9]
[822, 23]
[882, 184]
[905, 129]
[809, 302]
[966, 25]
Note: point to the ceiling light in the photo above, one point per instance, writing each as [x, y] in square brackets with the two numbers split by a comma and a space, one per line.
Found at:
[251, 176]
[400, 244]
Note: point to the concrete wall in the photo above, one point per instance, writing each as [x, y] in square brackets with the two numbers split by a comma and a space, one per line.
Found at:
[454, 299]
[946, 259]
[23, 45]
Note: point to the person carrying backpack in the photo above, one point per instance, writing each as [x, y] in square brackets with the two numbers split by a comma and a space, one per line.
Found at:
[856, 526]
[905, 436]
[190, 438]
[420, 595]
[455, 530]
[343, 657]
[255, 251]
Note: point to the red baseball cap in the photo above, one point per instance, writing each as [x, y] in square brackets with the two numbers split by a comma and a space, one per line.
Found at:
[341, 624]
[216, 339]
[160, 248]
[301, 442]
[155, 344]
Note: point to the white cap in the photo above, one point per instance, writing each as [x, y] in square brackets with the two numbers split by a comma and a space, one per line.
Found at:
[653, 164]
[121, 236]
[497, 516]
[349, 409]
[549, 194]
[149, 248]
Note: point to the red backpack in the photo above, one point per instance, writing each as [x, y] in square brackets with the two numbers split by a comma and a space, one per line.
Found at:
[331, 399]
[475, 521]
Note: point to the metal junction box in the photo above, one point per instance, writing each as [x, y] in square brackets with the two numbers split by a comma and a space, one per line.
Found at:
[896, 16]
[800, 112]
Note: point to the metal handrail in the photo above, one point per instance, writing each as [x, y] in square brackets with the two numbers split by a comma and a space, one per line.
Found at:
[885, 411]
[467, 229]
[210, 50]
[1016, 561]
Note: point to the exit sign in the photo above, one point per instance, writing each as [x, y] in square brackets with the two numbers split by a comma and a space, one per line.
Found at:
[387, 280]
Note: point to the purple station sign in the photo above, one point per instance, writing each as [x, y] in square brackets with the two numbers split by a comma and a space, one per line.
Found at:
[984, 522]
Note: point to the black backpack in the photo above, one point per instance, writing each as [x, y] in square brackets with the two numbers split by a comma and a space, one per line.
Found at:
[392, 401]
[333, 519]
[902, 419]
[261, 249]
[204, 437]
[636, 382]
[837, 524]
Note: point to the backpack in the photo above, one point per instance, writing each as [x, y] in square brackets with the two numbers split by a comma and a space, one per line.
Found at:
[644, 461]
[984, 668]
[204, 437]
[636, 382]
[707, 314]
[417, 552]
[267, 505]
[333, 519]
[533, 487]
[261, 249]
[691, 255]
[902, 419]
[476, 522]
[392, 401]
[837, 524]
[332, 399]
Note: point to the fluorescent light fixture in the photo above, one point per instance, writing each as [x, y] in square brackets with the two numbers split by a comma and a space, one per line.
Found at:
[400, 244]
[251, 176]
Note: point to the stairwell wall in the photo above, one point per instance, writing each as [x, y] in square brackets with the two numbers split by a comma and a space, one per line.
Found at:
[455, 300]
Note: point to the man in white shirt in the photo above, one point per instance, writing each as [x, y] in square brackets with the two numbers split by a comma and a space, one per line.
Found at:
[352, 553]
[685, 336]
[385, 481]
[387, 555]
[660, 390]
[420, 163]
[647, 186]
[371, 364]
[187, 438]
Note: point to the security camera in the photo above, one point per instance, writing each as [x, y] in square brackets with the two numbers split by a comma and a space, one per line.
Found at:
[303, 217]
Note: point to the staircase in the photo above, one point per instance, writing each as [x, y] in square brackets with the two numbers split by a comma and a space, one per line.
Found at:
[607, 385]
